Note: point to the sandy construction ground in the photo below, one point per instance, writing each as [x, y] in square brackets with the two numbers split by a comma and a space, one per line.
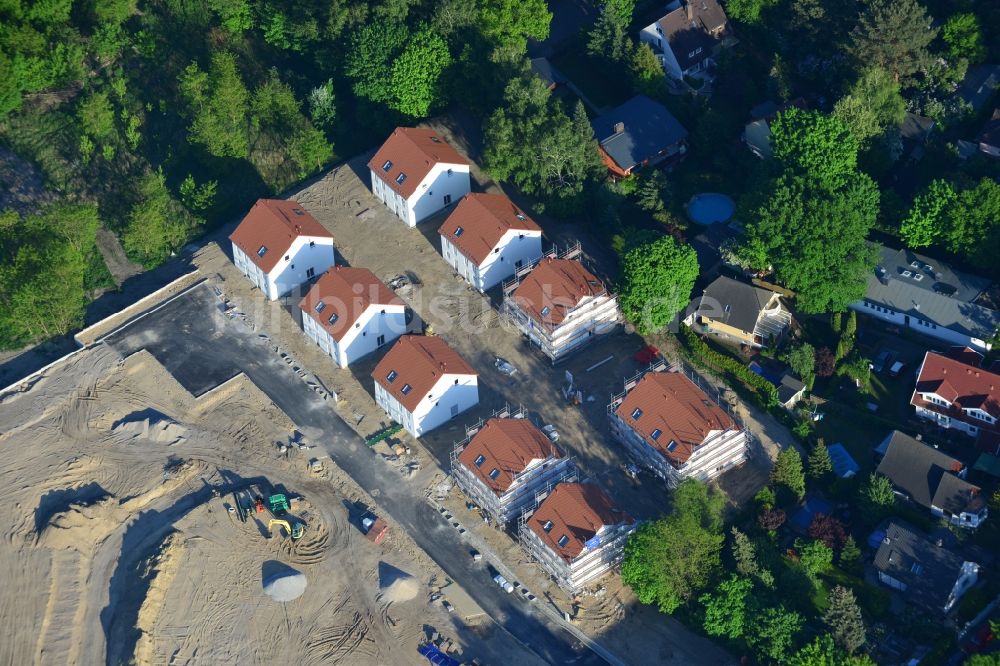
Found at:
[119, 547]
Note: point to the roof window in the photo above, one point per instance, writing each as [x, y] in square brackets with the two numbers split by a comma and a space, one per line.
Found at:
[298, 211]
[563, 540]
[494, 473]
[333, 318]
[387, 165]
[261, 251]
[520, 216]
[546, 310]
[435, 139]
[400, 178]
[636, 413]
[547, 526]
[480, 459]
[656, 434]
[406, 389]
[391, 377]
[459, 231]
[672, 445]
[320, 306]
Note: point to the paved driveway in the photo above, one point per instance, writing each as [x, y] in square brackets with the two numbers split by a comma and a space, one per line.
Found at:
[202, 348]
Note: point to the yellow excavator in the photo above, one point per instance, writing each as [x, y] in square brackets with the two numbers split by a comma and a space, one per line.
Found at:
[295, 531]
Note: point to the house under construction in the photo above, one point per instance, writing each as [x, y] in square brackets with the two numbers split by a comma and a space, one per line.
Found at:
[576, 534]
[506, 464]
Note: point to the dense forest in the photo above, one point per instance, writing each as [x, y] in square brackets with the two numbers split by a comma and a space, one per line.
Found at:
[157, 120]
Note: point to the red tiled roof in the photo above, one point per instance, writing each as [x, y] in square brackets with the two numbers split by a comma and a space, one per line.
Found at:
[556, 284]
[345, 292]
[682, 412]
[483, 219]
[965, 386]
[419, 361]
[508, 446]
[274, 224]
[966, 355]
[413, 152]
[577, 511]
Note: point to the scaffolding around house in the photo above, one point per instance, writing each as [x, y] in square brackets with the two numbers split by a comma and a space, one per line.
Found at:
[572, 252]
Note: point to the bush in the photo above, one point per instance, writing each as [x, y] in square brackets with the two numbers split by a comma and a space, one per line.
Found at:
[764, 389]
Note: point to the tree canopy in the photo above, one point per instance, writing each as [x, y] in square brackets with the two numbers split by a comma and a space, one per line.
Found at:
[894, 35]
[657, 281]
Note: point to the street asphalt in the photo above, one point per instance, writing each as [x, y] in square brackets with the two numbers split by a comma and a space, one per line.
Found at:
[202, 348]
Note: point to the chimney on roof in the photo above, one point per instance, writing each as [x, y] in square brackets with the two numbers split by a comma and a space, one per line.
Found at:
[619, 127]
[690, 10]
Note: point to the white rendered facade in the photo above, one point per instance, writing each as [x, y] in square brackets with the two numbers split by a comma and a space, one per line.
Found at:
[308, 257]
[517, 248]
[378, 326]
[443, 186]
[451, 395]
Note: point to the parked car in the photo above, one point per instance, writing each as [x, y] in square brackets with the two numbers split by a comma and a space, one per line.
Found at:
[897, 369]
[882, 361]
[503, 583]
[476, 555]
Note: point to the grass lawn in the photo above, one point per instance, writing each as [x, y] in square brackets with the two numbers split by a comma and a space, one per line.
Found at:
[857, 429]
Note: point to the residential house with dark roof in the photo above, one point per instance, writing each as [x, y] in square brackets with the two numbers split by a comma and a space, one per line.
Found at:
[416, 173]
[547, 72]
[932, 479]
[576, 534]
[669, 425]
[958, 396]
[757, 133]
[928, 296]
[928, 574]
[279, 246]
[350, 313]
[423, 383]
[507, 465]
[687, 37]
[740, 312]
[559, 305]
[989, 137]
[487, 238]
[979, 85]
[913, 132]
[637, 134]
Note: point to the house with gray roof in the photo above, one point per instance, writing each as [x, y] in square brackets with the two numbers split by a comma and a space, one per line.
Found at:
[932, 479]
[741, 312]
[927, 573]
[979, 85]
[638, 133]
[685, 39]
[913, 291]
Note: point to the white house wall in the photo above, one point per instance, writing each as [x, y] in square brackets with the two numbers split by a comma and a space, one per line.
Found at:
[443, 186]
[445, 401]
[363, 338]
[393, 201]
[920, 326]
[252, 271]
[515, 249]
[652, 35]
[306, 252]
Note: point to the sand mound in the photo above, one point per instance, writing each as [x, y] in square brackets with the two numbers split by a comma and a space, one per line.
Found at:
[396, 586]
[152, 426]
[80, 526]
[284, 583]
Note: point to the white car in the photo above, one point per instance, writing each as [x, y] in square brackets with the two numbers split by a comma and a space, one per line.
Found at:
[503, 583]
[551, 432]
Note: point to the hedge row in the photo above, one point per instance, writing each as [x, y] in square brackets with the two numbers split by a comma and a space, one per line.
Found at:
[765, 389]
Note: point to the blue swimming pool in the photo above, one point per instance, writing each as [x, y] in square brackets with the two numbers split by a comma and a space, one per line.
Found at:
[710, 208]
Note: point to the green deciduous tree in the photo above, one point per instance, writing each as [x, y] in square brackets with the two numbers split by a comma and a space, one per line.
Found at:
[727, 608]
[823, 652]
[669, 561]
[218, 102]
[843, 619]
[877, 494]
[802, 361]
[368, 61]
[157, 224]
[964, 37]
[509, 23]
[819, 460]
[197, 197]
[894, 35]
[97, 116]
[416, 74]
[923, 223]
[814, 556]
[774, 632]
[972, 224]
[788, 472]
[647, 72]
[236, 15]
[748, 11]
[323, 105]
[816, 147]
[657, 281]
[532, 141]
[873, 105]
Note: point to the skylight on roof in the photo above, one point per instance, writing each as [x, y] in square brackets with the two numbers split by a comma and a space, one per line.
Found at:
[563, 540]
[546, 310]
[547, 526]
[262, 251]
[333, 318]
[672, 445]
[656, 434]
[391, 377]
[636, 413]
[435, 139]
[320, 306]
[298, 211]
[406, 389]
[494, 473]
[400, 178]
[387, 165]
[480, 459]
[520, 216]
[459, 231]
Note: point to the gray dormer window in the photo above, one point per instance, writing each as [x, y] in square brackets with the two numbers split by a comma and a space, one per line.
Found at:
[480, 460]
[563, 540]
[387, 165]
[547, 526]
[400, 178]
[636, 413]
[406, 389]
[391, 377]
[656, 434]
[261, 251]
[333, 318]
[320, 306]
[494, 473]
